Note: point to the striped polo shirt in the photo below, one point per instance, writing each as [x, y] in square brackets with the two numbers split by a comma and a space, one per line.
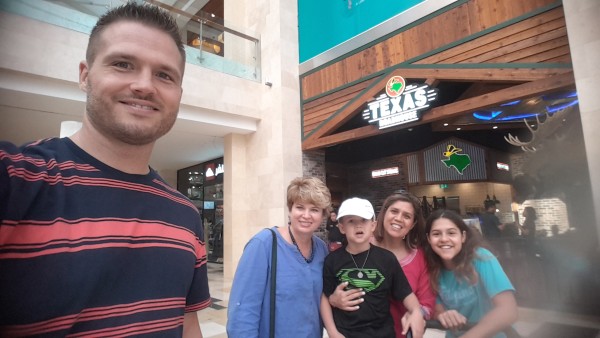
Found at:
[87, 250]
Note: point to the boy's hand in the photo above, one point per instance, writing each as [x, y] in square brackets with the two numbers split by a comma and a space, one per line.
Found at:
[413, 320]
[346, 300]
[335, 334]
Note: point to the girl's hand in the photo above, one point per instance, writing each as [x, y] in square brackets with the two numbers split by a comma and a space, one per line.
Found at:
[452, 320]
[346, 300]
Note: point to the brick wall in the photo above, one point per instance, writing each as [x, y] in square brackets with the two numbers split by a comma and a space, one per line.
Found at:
[550, 211]
[313, 164]
[516, 163]
[361, 184]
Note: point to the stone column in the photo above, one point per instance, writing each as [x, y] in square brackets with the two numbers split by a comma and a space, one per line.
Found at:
[583, 29]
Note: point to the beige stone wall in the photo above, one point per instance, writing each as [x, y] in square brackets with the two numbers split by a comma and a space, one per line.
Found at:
[271, 157]
[583, 28]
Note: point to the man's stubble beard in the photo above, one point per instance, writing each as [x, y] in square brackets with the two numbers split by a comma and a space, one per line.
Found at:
[106, 123]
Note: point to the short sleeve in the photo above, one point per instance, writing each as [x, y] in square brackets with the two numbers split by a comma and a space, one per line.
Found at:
[492, 276]
[329, 278]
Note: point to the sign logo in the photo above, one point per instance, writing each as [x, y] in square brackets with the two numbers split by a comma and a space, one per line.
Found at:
[212, 172]
[395, 86]
[385, 172]
[459, 161]
[400, 104]
[502, 166]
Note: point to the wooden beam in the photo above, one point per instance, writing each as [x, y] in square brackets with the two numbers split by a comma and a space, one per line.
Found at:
[458, 73]
[563, 81]
[345, 136]
[517, 92]
[431, 74]
[340, 117]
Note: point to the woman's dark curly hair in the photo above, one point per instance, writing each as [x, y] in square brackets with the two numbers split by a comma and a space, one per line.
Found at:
[415, 236]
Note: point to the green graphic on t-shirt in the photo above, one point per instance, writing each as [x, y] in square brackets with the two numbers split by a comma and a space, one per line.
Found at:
[367, 279]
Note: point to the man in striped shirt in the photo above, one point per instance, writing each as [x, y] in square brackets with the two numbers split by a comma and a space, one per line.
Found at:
[92, 241]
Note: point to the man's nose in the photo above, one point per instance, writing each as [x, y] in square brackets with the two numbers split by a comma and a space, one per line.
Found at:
[143, 82]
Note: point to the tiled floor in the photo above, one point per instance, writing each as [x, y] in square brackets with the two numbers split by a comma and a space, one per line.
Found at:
[531, 324]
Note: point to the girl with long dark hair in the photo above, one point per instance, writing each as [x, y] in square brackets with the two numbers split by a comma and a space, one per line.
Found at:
[471, 285]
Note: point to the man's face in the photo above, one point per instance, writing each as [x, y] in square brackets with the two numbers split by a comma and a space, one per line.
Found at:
[133, 85]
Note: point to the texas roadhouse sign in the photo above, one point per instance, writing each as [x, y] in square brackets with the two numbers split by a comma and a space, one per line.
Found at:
[400, 103]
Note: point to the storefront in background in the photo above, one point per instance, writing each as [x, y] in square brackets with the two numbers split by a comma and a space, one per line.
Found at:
[459, 114]
[203, 185]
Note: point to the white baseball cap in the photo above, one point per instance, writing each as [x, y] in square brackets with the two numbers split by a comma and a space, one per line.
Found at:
[357, 207]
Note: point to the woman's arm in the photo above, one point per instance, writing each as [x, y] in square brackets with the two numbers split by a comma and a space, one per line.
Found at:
[423, 289]
[327, 316]
[347, 300]
[245, 305]
[502, 315]
[413, 318]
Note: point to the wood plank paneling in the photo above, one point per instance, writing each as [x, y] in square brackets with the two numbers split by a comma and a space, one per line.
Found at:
[517, 33]
[454, 37]
[457, 108]
[456, 24]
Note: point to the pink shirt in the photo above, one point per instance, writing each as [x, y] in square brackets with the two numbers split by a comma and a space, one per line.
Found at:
[415, 269]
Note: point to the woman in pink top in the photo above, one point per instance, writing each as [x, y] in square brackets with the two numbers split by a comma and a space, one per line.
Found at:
[400, 225]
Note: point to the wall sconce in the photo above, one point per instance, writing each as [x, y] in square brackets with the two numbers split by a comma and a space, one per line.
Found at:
[514, 207]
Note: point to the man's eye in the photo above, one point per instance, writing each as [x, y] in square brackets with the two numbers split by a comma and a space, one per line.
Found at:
[122, 64]
[165, 76]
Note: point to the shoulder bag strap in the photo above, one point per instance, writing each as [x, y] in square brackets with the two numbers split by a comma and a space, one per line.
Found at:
[273, 280]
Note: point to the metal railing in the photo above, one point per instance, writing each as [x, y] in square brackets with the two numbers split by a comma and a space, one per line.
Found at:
[214, 44]
[210, 41]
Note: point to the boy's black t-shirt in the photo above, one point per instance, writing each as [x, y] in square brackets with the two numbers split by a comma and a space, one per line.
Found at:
[382, 278]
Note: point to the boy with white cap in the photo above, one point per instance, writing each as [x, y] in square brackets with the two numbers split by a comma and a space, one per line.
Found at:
[373, 269]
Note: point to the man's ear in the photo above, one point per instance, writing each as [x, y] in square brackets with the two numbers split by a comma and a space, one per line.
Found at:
[83, 75]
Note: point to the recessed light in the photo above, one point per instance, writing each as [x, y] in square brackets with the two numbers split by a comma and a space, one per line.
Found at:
[445, 124]
[495, 127]
[458, 128]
